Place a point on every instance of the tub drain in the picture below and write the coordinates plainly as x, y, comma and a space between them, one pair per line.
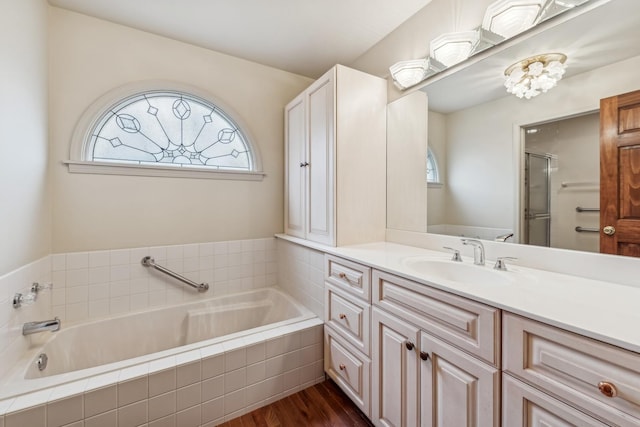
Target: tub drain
42, 361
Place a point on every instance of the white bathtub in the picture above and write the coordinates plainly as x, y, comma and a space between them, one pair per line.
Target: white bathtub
140, 344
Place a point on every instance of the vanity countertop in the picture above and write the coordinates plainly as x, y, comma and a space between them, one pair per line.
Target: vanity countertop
605, 311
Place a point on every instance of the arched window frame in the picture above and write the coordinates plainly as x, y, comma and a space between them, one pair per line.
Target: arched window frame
81, 159
432, 163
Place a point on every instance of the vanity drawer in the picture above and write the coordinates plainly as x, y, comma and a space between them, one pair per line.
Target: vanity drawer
348, 316
350, 276
348, 367
469, 325
575, 369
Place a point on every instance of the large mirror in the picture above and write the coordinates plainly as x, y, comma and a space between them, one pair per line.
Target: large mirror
504, 162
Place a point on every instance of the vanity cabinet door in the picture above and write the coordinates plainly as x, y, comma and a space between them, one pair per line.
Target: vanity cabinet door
395, 371
456, 389
295, 172
524, 406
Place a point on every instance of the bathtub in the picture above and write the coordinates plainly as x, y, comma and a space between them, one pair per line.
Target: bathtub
210, 360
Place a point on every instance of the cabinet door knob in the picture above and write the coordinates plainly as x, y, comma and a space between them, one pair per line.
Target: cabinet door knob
424, 355
409, 345
609, 230
342, 275
342, 316
342, 367
607, 389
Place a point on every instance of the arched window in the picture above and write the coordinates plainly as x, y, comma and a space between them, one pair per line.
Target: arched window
433, 176
164, 130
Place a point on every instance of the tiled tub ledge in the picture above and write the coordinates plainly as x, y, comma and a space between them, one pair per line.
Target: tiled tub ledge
202, 387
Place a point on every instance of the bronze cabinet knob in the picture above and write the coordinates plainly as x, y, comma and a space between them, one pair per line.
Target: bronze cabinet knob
409, 345
342, 367
424, 355
607, 389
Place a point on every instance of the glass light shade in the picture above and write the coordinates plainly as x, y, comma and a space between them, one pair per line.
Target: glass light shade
510, 17
408, 73
555, 7
451, 48
535, 75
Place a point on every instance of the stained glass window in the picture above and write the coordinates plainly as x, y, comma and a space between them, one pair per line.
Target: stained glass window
168, 128
432, 168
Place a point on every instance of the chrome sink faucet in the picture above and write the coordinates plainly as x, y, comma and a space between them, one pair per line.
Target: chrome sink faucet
41, 326
478, 250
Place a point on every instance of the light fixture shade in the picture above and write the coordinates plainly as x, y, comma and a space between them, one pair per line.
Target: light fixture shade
408, 73
535, 75
510, 17
555, 7
452, 48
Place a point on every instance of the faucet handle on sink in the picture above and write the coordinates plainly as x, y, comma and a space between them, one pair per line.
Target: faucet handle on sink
456, 254
501, 265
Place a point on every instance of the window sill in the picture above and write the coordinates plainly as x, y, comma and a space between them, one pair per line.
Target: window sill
106, 168
434, 184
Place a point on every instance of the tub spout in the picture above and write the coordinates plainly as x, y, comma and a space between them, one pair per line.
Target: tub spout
41, 326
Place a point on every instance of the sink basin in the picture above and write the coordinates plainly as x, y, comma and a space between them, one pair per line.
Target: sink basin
459, 272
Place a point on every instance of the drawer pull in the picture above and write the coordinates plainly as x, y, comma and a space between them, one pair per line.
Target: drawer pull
607, 389
342, 316
342, 367
342, 276
409, 345
424, 355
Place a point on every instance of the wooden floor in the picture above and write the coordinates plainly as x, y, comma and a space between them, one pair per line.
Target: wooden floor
323, 405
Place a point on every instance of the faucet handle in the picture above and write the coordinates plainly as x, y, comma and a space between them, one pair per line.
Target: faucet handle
501, 265
456, 254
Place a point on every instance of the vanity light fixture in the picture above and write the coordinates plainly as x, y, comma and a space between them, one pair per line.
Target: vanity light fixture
451, 48
554, 7
510, 17
535, 75
408, 73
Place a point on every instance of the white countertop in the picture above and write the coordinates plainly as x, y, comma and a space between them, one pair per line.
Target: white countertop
601, 310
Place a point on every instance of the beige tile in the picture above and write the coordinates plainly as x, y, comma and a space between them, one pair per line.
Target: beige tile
291, 380
256, 373
212, 388
64, 411
187, 397
2, 421
106, 419
291, 342
133, 415
188, 374
256, 353
133, 391
214, 423
235, 380
212, 366
256, 393
235, 359
189, 417
162, 382
234, 401
33, 417
162, 406
76, 424
274, 347
213, 410
169, 421
100, 400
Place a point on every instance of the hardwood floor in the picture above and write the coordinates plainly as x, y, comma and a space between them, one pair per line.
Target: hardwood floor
323, 405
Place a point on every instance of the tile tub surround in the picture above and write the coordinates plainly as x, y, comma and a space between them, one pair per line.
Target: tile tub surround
203, 387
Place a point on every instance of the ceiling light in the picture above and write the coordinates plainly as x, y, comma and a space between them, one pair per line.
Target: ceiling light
535, 75
451, 48
510, 17
408, 73
554, 7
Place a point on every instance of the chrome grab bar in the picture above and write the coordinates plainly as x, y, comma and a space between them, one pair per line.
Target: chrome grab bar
150, 262
581, 209
587, 230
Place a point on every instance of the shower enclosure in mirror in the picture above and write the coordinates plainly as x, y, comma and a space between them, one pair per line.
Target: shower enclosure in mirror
537, 199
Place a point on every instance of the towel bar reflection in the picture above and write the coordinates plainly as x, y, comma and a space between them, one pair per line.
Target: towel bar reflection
581, 209
587, 230
150, 262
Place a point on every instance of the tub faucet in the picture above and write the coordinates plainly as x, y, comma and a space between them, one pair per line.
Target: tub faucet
478, 250
41, 326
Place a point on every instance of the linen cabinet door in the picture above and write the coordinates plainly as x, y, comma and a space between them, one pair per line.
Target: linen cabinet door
295, 170
321, 160
456, 389
395, 374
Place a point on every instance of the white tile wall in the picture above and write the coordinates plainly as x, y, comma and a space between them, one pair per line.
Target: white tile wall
301, 274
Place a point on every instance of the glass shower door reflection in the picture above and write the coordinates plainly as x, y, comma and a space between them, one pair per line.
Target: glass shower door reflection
537, 199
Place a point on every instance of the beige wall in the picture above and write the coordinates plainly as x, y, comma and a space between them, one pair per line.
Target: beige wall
25, 212
89, 57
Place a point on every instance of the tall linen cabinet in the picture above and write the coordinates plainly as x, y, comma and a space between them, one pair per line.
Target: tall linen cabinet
335, 159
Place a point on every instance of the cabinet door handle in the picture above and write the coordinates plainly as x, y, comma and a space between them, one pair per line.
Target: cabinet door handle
342, 316
342, 367
342, 275
302, 165
409, 345
424, 355
607, 389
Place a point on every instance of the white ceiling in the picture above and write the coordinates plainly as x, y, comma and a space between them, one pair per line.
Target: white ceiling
306, 37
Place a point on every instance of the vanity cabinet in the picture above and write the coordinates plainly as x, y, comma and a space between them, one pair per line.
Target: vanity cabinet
418, 378
335, 159
596, 378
